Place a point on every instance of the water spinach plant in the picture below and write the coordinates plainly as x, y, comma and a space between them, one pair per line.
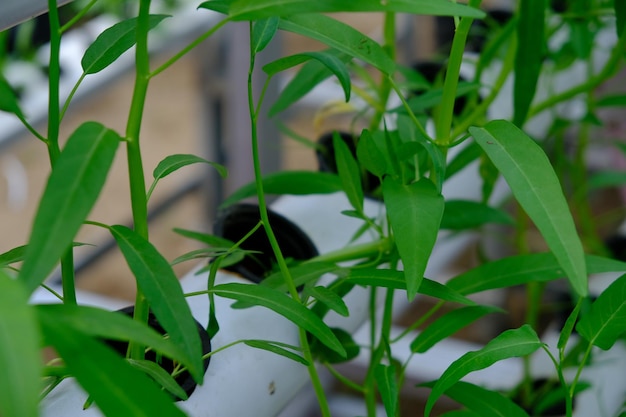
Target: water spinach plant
406, 151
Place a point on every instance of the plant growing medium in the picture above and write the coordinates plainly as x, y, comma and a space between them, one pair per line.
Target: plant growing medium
413, 145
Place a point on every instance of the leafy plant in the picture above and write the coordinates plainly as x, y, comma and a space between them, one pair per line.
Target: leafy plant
408, 149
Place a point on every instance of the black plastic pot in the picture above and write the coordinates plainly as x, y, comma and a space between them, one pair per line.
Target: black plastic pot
185, 380
234, 222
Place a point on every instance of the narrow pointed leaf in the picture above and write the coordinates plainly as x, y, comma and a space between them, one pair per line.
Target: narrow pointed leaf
20, 358
290, 182
415, 213
395, 279
509, 344
160, 286
310, 75
484, 402
175, 162
283, 305
8, 99
385, 376
528, 57
72, 189
116, 387
329, 60
330, 298
109, 325
263, 32
255, 9
464, 214
112, 43
160, 376
276, 348
301, 274
536, 187
340, 36
522, 269
220, 6
349, 173
12, 256
370, 156
449, 324
606, 322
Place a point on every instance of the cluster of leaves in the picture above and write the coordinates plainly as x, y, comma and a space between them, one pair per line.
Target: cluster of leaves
411, 165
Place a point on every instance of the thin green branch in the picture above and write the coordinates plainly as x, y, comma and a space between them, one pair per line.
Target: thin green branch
188, 48
78, 16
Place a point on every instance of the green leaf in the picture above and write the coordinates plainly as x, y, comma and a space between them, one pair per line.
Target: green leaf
160, 376
483, 402
72, 190
112, 43
395, 279
369, 154
340, 36
209, 239
449, 324
385, 376
117, 388
522, 269
277, 348
290, 182
301, 274
536, 187
283, 305
255, 9
263, 32
173, 163
8, 99
310, 75
220, 6
464, 214
328, 59
13, 255
460, 413
415, 213
159, 284
325, 355
20, 358
529, 56
349, 173
613, 100
509, 344
606, 321
108, 325
330, 299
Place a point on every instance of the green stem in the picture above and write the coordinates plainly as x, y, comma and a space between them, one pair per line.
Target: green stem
135, 165
54, 150
445, 111
282, 264
569, 394
345, 381
389, 29
482, 108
